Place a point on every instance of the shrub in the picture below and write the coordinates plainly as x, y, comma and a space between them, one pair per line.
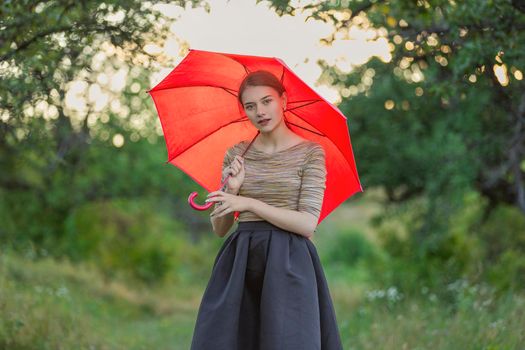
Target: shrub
124, 238
349, 247
503, 234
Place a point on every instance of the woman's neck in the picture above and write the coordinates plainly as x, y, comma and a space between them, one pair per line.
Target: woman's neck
280, 137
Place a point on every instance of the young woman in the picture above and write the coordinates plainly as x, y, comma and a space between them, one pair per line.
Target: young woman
267, 290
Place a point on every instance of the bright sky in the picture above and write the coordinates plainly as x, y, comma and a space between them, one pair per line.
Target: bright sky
235, 26
244, 27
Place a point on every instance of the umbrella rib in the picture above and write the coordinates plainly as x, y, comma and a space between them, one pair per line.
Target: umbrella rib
234, 121
299, 101
231, 91
352, 168
302, 127
233, 59
303, 105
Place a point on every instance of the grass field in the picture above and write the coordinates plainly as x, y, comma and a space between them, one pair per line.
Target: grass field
50, 304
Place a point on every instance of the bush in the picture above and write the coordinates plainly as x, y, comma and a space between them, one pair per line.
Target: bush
124, 238
503, 234
473, 249
350, 247
421, 258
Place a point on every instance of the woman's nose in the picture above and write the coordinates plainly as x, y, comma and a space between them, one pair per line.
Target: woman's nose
261, 110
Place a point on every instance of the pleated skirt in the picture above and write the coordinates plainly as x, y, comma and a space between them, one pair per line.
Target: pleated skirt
267, 291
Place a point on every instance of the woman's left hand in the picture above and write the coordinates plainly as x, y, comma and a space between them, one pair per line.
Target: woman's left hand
229, 203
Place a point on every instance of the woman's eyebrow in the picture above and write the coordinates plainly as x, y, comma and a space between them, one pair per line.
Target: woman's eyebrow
246, 103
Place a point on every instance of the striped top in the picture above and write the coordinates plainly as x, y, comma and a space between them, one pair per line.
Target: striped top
293, 178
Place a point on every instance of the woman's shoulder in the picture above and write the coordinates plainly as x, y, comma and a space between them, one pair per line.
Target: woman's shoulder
241, 146
237, 148
301, 141
313, 147
304, 148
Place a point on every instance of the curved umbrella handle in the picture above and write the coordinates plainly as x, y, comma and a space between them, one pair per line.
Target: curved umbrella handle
196, 206
191, 198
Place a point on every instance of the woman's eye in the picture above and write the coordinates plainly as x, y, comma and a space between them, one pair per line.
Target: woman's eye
267, 101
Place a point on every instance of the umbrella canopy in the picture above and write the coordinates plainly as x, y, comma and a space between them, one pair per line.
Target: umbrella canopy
201, 118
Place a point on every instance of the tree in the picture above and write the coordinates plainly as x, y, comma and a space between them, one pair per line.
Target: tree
455, 74
445, 115
54, 157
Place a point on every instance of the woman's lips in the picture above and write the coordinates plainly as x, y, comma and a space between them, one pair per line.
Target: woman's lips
263, 122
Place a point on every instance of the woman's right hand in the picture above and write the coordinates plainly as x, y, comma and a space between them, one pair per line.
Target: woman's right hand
236, 169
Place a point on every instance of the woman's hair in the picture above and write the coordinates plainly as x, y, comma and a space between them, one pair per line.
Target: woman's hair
260, 78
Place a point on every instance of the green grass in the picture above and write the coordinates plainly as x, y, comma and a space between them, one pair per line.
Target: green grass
49, 304
55, 305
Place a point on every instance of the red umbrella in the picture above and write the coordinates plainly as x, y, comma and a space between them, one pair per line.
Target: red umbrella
201, 118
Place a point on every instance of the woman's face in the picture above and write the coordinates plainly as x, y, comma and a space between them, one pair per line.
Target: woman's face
263, 103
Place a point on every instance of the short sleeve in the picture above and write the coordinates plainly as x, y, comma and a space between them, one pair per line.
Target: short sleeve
313, 182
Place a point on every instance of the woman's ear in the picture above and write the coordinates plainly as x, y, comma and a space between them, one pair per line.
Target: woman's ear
284, 97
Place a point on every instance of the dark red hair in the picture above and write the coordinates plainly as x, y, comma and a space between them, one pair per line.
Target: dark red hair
260, 78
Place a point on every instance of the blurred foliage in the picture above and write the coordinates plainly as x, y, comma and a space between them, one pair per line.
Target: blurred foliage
442, 117
123, 236
48, 304
440, 127
349, 247
135, 240
505, 255
434, 262
57, 156
471, 252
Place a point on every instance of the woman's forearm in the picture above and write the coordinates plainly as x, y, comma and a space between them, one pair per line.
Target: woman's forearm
222, 224
287, 219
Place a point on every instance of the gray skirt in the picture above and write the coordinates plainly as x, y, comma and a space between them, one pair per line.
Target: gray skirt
267, 291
